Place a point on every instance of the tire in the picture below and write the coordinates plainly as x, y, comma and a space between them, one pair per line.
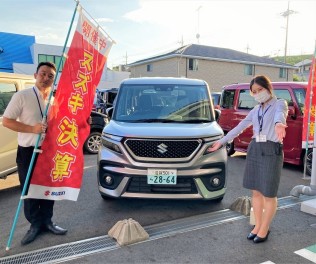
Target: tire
230, 148
93, 142
309, 160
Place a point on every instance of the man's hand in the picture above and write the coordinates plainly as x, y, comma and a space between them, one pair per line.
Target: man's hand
39, 128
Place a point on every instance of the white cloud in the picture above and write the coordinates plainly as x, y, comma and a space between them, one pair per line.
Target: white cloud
104, 19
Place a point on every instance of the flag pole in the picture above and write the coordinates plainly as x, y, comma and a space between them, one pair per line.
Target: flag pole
40, 136
311, 94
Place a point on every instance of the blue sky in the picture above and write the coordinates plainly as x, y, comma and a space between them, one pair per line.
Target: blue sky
143, 28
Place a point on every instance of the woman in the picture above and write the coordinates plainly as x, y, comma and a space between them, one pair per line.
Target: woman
264, 154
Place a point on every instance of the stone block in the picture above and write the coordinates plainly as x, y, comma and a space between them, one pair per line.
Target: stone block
242, 205
128, 231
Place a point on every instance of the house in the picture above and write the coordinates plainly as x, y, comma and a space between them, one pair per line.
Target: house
303, 69
21, 54
217, 66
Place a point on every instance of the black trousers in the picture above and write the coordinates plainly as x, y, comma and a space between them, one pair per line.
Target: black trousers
37, 211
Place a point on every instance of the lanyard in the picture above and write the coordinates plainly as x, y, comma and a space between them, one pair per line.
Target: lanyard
39, 105
260, 118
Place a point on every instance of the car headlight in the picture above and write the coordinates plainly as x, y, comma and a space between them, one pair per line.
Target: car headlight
211, 141
108, 141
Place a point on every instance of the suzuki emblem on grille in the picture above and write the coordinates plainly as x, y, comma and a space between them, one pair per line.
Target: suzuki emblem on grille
162, 148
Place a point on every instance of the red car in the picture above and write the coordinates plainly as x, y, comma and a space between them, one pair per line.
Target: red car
237, 102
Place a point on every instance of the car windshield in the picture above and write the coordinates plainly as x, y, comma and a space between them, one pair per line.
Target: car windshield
163, 103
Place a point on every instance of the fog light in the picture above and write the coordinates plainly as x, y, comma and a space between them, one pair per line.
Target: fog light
215, 182
108, 180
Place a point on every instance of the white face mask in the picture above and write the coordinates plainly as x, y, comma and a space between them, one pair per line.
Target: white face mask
263, 96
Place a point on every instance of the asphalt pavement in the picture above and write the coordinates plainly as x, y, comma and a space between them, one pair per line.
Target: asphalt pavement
214, 234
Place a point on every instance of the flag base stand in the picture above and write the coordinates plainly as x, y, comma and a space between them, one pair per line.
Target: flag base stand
309, 207
128, 232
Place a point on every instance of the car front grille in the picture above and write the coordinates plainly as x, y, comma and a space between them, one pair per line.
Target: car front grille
154, 149
185, 185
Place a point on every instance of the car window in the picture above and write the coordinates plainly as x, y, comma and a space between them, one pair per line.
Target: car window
216, 98
245, 100
6, 92
284, 94
300, 98
228, 99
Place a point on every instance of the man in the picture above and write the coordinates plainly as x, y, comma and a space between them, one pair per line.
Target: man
24, 115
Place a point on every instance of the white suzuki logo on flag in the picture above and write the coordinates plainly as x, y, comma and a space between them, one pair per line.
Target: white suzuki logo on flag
162, 148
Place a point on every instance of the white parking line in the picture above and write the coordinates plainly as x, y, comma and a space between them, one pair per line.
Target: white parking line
305, 253
88, 167
267, 262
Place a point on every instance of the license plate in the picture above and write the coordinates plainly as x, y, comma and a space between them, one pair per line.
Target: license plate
155, 176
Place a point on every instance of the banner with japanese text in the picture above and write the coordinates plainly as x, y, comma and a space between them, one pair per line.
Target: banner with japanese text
310, 108
59, 168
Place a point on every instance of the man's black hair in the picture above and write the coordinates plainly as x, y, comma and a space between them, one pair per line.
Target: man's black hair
46, 63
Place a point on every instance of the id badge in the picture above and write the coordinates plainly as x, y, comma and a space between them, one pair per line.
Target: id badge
261, 138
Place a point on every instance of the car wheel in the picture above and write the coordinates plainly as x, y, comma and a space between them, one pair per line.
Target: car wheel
93, 143
309, 160
230, 148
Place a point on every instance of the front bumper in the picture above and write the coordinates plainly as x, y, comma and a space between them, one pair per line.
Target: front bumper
191, 184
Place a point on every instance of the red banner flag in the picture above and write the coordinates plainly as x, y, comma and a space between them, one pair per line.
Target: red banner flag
310, 108
59, 168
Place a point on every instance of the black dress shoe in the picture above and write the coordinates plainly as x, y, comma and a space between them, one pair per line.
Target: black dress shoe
258, 239
251, 236
55, 229
30, 235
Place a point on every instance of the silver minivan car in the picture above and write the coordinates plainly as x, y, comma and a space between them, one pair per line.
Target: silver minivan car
156, 144
10, 83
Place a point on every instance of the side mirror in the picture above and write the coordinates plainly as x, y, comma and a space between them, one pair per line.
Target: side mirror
291, 112
109, 112
217, 114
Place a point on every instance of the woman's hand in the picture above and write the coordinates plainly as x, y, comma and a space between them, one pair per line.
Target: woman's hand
280, 131
215, 146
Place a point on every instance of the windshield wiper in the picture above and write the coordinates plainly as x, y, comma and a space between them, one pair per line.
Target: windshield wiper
157, 120
153, 120
195, 121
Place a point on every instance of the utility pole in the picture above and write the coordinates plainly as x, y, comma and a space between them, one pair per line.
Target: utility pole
181, 42
198, 25
126, 59
247, 48
287, 14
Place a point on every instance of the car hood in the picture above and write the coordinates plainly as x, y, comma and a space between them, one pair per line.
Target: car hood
166, 130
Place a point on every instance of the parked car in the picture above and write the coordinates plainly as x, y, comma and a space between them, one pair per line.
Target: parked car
216, 97
156, 144
236, 104
104, 96
10, 83
103, 100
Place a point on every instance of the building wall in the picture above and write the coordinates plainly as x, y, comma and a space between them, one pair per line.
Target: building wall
215, 73
109, 79
162, 68
15, 48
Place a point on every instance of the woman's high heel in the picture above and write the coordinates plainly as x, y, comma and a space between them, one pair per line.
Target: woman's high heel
251, 235
258, 239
